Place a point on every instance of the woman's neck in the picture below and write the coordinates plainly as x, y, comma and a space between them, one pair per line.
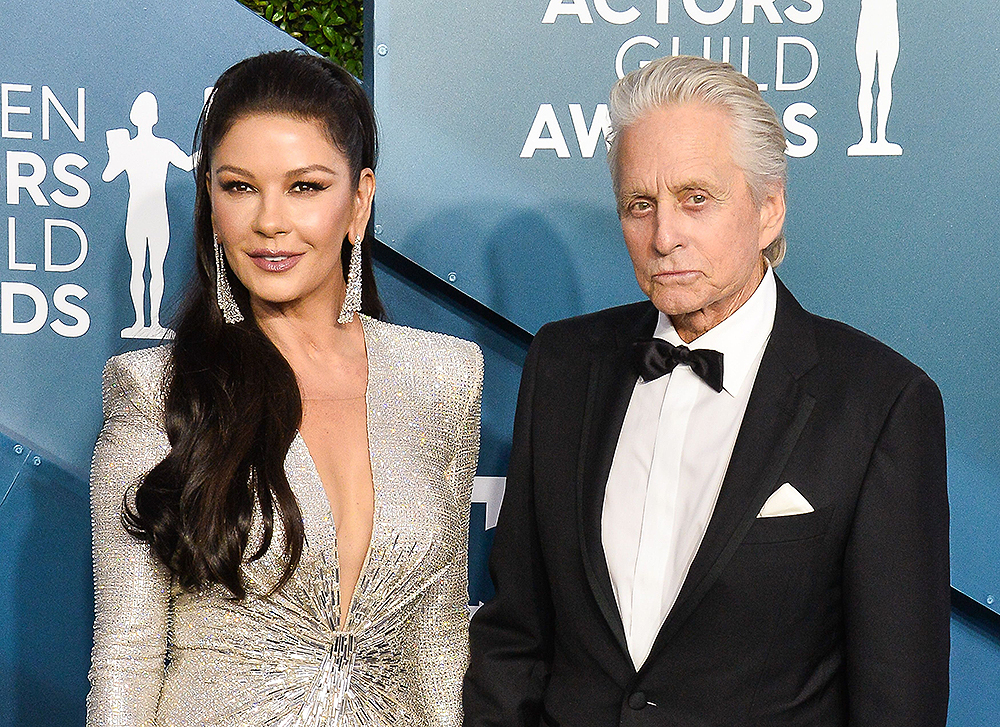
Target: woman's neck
329, 359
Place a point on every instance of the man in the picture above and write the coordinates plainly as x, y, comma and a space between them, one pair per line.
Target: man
742, 521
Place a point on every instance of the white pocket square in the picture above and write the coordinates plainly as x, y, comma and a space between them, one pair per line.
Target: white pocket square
786, 500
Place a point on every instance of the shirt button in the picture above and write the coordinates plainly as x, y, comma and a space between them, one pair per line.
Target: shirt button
637, 700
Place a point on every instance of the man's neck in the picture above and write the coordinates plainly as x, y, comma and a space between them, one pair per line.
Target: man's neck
690, 326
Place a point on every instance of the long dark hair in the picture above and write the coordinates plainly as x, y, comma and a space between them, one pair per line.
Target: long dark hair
232, 401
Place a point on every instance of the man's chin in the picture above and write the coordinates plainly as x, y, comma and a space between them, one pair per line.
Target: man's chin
672, 304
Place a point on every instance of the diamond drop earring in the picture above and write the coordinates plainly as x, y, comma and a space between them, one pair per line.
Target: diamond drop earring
352, 297
223, 293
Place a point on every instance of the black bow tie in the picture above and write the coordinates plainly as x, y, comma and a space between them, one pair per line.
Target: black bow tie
656, 357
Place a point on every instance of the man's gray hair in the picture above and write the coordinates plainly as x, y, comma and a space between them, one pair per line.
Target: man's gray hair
758, 137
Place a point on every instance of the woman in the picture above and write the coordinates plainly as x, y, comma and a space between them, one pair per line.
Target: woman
281, 497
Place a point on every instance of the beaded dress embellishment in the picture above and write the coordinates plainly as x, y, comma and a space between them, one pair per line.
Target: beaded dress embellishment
281, 659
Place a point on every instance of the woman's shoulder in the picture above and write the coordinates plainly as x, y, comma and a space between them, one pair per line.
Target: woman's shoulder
428, 349
136, 380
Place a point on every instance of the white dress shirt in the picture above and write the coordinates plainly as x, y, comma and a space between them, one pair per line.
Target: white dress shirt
669, 463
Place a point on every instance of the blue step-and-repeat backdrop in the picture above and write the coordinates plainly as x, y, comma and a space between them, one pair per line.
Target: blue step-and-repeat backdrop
494, 202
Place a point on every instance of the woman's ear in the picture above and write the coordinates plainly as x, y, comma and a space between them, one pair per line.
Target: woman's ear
363, 203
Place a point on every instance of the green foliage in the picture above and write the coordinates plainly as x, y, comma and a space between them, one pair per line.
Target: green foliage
330, 27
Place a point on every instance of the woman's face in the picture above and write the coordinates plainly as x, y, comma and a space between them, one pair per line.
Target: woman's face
282, 203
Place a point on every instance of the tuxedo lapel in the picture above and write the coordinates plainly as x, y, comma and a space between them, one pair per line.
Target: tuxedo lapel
609, 390
776, 414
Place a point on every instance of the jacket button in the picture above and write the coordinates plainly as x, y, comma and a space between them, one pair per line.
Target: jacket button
637, 700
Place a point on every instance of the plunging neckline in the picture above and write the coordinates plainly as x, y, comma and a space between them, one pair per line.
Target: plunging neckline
343, 618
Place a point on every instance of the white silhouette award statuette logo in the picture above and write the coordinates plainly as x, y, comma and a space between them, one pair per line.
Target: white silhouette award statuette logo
145, 159
877, 44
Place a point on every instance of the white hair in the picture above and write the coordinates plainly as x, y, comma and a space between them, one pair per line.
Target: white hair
758, 137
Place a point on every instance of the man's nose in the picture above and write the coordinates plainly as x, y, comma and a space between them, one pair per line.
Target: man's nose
668, 234
272, 217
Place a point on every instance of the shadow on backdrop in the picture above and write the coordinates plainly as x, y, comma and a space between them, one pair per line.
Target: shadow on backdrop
545, 288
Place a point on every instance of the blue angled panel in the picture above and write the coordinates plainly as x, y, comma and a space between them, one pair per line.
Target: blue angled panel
46, 598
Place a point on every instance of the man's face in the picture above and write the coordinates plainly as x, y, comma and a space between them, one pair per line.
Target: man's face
692, 230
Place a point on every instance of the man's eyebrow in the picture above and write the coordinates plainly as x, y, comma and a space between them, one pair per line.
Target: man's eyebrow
631, 195
640, 190
695, 183
713, 189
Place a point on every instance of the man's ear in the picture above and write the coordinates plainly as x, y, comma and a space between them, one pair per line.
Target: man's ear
772, 216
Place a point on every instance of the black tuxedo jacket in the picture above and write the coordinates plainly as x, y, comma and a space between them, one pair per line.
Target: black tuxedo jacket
835, 617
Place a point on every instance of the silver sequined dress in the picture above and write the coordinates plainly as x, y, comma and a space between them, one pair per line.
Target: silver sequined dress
171, 658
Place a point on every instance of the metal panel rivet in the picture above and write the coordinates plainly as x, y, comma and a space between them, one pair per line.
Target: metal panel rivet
452, 277
382, 49
378, 229
18, 449
989, 600
37, 461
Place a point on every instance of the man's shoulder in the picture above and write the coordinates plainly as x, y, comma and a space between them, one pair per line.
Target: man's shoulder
600, 329
860, 361
843, 344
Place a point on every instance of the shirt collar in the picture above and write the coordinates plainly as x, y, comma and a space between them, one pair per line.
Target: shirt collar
740, 338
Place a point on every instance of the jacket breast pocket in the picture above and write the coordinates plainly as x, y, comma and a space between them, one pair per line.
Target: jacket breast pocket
790, 528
